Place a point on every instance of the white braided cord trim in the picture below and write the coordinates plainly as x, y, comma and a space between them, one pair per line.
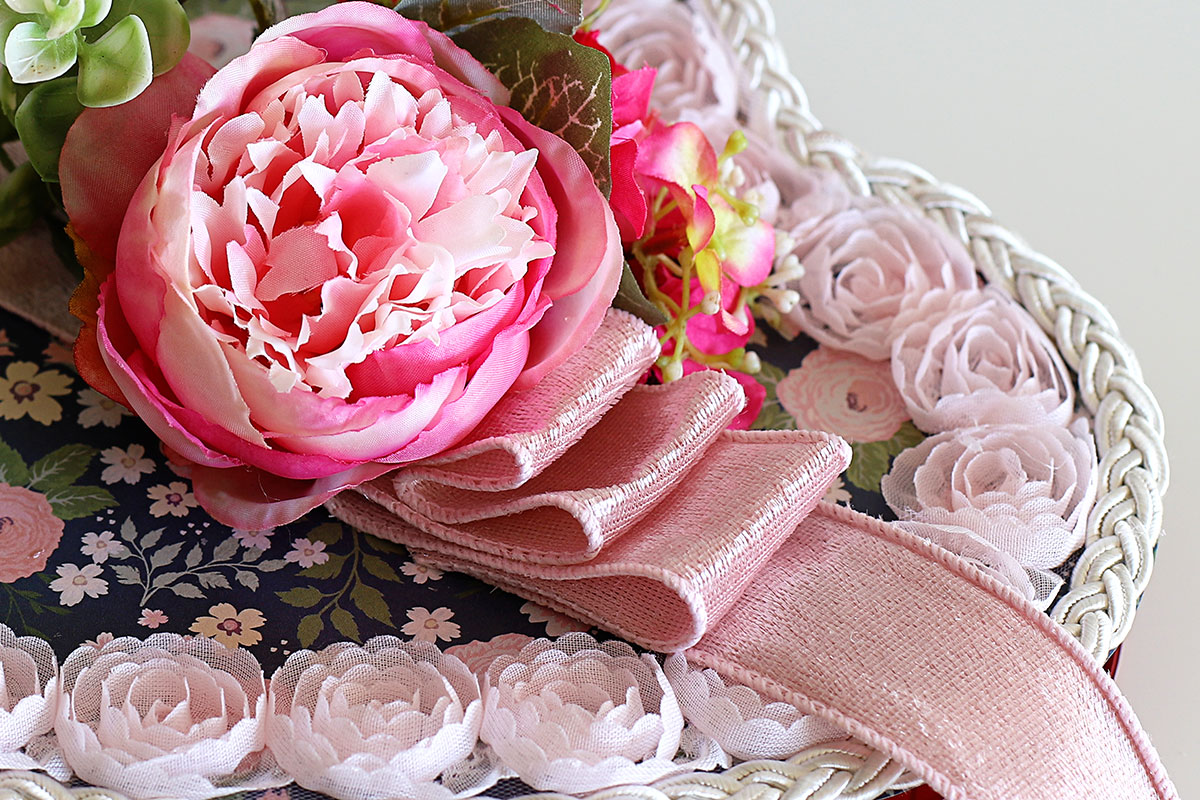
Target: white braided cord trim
1115, 567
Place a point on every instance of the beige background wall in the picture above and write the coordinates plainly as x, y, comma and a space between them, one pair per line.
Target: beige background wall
1079, 124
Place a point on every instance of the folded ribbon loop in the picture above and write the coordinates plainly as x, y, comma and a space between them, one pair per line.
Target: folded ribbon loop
631, 507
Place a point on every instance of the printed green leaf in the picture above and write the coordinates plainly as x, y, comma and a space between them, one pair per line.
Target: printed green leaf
908, 436
247, 579
32, 55
151, 538
12, 467
164, 579
556, 83
194, 556
869, 464
329, 533
213, 580
301, 596
630, 298
451, 16
60, 468
118, 67
251, 554
383, 545
330, 569
73, 502
128, 531
225, 550
309, 629
370, 601
773, 417
344, 622
164, 556
188, 590
273, 564
380, 568
126, 574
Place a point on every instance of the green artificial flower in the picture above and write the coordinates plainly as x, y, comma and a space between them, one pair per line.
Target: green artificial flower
118, 48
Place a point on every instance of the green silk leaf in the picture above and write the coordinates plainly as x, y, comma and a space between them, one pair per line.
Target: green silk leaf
95, 12
42, 121
64, 19
556, 83
454, 16
630, 298
32, 55
118, 67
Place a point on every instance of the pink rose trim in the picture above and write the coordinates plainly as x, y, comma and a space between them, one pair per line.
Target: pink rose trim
983, 360
870, 271
843, 393
29, 532
1025, 489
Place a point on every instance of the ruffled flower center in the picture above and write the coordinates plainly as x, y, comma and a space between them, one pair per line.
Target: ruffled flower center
347, 212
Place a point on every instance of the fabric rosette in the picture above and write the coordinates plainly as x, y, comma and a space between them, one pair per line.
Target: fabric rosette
576, 715
1025, 489
983, 360
382, 720
347, 254
168, 717
870, 271
29, 695
739, 720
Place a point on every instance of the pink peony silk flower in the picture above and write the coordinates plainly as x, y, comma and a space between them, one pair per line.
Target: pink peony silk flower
29, 532
843, 393
341, 261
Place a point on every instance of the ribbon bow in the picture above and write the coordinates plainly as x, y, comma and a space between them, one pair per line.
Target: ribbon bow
633, 508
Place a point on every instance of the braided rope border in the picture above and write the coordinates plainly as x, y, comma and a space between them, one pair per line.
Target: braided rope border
1118, 556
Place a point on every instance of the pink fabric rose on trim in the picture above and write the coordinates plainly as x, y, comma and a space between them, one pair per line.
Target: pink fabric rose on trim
843, 393
29, 532
343, 259
983, 360
870, 271
1025, 489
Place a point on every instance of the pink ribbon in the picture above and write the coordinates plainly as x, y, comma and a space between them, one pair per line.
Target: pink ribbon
631, 507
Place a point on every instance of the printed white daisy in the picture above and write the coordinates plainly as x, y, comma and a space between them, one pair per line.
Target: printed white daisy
426, 626
74, 582
99, 410
420, 573
556, 624
100, 546
259, 540
173, 499
838, 493
128, 464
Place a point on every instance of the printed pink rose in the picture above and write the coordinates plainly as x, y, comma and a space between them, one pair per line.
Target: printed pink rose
1025, 489
844, 394
983, 360
870, 271
340, 262
29, 532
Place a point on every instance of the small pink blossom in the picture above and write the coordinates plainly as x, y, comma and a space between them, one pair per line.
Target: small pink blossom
152, 618
128, 464
306, 553
101, 546
259, 540
843, 393
427, 626
174, 499
74, 582
420, 573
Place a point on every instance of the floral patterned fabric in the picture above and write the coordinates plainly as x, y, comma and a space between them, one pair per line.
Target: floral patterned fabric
100, 539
